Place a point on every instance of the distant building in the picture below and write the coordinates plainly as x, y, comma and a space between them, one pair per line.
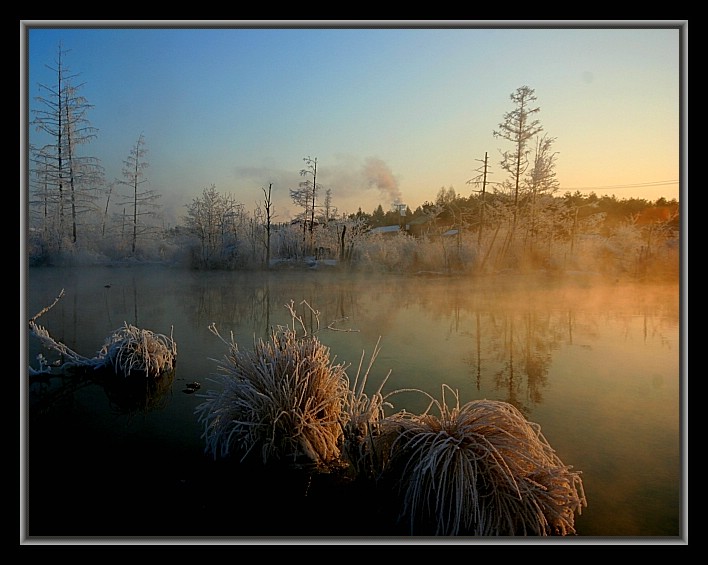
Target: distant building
419, 226
386, 229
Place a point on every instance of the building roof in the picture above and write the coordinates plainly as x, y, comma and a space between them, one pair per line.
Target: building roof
386, 229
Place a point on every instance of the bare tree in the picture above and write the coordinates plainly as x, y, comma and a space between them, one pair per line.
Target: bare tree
109, 193
268, 206
542, 177
141, 201
65, 180
215, 220
42, 197
348, 240
541, 180
305, 196
301, 197
310, 185
518, 128
329, 211
481, 180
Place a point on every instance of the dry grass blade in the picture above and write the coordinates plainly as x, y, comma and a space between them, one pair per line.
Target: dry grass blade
364, 444
363, 414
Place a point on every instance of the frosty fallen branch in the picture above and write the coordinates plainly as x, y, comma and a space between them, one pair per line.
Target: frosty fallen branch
127, 350
50, 343
46, 309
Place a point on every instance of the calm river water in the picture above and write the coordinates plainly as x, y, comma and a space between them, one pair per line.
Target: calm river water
595, 364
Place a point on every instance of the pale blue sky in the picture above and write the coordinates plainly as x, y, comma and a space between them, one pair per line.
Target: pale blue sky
240, 108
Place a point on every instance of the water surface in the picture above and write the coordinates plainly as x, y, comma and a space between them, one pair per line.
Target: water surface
594, 363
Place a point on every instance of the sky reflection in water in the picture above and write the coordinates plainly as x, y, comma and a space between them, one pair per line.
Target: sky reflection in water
596, 365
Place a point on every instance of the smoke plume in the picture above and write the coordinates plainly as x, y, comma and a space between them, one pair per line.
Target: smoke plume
377, 174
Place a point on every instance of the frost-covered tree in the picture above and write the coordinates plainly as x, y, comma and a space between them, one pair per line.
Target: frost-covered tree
301, 197
140, 203
310, 184
445, 196
215, 220
65, 181
541, 182
328, 211
305, 196
542, 176
519, 128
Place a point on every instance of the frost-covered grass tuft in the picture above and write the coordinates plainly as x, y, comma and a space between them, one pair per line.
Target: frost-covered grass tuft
130, 349
283, 398
481, 469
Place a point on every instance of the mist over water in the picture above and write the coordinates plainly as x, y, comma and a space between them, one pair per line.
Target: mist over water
594, 363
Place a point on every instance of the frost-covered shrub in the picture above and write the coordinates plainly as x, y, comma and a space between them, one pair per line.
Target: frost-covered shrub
387, 252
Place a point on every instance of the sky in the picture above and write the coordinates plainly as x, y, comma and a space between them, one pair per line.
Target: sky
392, 111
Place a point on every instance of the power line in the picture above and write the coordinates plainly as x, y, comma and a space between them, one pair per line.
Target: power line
636, 185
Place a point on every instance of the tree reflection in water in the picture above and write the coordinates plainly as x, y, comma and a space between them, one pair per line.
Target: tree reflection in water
594, 362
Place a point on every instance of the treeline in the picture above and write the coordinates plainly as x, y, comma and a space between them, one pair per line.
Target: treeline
614, 211
628, 237
78, 216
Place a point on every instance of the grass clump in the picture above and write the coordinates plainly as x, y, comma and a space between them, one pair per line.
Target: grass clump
284, 399
479, 469
130, 349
